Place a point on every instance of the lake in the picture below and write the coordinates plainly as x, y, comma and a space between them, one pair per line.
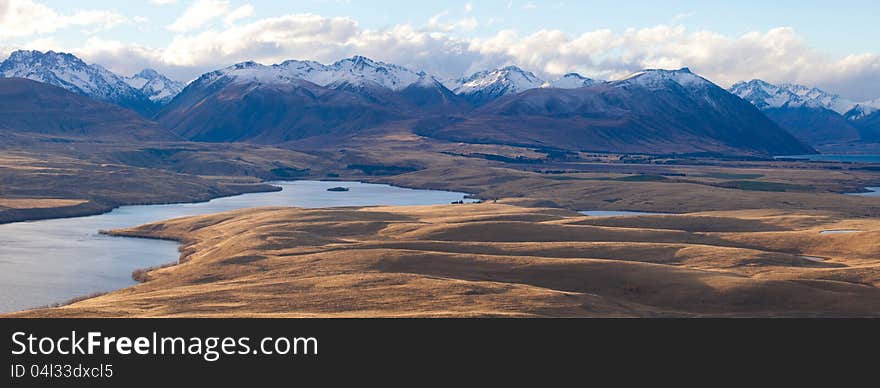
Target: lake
834, 158
872, 192
616, 213
52, 261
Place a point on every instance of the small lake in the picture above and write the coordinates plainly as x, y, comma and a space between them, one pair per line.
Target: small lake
615, 213
840, 231
872, 192
52, 261
834, 158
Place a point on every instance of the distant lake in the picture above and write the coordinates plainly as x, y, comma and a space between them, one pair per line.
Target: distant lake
872, 192
619, 213
834, 158
51, 261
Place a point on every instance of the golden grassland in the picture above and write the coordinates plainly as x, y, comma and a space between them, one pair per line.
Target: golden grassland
502, 260
748, 245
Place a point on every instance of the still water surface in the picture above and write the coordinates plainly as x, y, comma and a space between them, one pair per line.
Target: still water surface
835, 158
51, 261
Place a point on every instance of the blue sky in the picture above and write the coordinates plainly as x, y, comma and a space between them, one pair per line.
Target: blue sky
820, 43
837, 27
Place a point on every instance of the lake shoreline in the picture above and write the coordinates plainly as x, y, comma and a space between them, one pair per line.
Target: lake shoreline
79, 239
104, 209
99, 208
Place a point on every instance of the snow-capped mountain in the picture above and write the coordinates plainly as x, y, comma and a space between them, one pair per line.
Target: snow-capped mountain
362, 71
765, 95
354, 72
861, 111
654, 111
813, 115
657, 79
572, 81
820, 97
157, 87
485, 86
71, 73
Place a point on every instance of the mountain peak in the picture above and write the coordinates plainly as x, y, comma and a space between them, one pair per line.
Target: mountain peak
148, 73
571, 81
860, 111
157, 87
488, 85
32, 57
70, 72
355, 72
426, 81
657, 79
361, 61
362, 71
765, 95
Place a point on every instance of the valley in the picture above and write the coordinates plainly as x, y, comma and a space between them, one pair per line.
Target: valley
657, 194
739, 241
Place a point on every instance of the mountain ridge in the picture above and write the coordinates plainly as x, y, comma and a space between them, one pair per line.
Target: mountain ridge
813, 115
73, 74
653, 111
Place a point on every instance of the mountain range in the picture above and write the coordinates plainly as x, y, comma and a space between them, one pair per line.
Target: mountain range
653, 111
813, 115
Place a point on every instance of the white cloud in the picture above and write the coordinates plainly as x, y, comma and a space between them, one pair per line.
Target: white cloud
776, 55
203, 12
199, 14
435, 23
682, 16
242, 12
23, 18
163, 2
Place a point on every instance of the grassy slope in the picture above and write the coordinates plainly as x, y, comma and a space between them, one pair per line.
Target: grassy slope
501, 260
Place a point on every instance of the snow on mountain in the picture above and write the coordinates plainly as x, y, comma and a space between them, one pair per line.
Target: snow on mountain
488, 85
71, 73
572, 81
657, 79
355, 71
765, 95
861, 111
155, 86
821, 97
362, 71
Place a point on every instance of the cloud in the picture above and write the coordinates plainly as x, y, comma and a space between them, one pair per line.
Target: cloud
435, 23
775, 55
199, 14
24, 18
682, 16
242, 12
163, 2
